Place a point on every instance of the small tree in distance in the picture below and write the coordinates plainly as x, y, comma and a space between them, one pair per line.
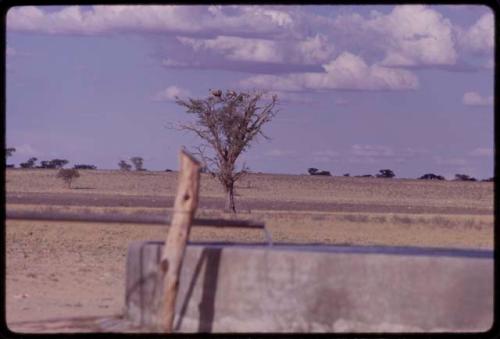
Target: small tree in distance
124, 166
386, 173
84, 167
68, 175
227, 122
29, 164
431, 176
138, 162
464, 177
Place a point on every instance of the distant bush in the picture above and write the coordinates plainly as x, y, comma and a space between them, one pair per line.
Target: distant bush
464, 177
386, 173
347, 175
364, 176
84, 167
28, 164
68, 175
168, 170
124, 166
138, 163
53, 164
489, 180
312, 170
10, 166
431, 176
315, 171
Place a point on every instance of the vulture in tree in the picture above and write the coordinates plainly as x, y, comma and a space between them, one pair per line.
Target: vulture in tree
217, 93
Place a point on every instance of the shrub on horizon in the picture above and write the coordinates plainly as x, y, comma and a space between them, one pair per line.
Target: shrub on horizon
431, 176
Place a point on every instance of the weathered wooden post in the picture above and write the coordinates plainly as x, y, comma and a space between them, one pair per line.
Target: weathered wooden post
185, 205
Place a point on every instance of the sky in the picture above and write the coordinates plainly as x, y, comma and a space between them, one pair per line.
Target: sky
360, 87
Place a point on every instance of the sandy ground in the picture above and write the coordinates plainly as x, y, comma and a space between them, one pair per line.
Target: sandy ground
75, 269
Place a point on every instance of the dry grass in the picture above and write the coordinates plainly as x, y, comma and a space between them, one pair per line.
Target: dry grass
267, 187
61, 269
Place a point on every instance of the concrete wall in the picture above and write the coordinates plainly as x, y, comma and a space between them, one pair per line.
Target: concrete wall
278, 289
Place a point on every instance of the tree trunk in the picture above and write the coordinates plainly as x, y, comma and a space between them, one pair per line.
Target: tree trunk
230, 207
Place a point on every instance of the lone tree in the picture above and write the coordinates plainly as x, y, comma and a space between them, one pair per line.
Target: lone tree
386, 173
124, 166
315, 171
227, 122
137, 161
68, 175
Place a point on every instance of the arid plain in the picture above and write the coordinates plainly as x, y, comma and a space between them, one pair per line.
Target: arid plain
76, 269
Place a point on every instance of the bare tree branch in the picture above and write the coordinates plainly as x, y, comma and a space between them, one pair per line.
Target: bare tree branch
227, 122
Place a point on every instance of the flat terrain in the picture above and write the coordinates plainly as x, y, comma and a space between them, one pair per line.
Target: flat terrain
74, 269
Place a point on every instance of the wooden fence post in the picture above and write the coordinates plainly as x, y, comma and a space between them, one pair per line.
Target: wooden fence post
185, 205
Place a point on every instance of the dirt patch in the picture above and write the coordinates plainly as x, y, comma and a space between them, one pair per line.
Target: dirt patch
74, 269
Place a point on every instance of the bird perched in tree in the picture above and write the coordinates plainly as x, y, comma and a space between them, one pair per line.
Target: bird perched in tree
217, 93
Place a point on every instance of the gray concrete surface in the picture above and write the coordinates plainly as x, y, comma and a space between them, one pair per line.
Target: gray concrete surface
279, 289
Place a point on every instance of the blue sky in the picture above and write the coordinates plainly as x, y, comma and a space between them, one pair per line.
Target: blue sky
362, 88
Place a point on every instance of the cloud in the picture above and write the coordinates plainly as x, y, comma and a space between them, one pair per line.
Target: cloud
170, 93
479, 38
235, 48
272, 39
409, 36
482, 152
347, 71
311, 50
415, 35
170, 19
475, 99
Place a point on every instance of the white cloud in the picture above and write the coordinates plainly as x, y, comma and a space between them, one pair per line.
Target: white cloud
347, 71
415, 35
170, 93
480, 36
148, 18
311, 50
235, 48
408, 35
475, 99
482, 152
